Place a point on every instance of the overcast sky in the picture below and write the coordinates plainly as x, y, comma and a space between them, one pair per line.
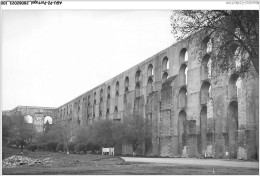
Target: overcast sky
52, 56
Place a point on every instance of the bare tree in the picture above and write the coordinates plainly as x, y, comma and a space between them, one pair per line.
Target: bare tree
237, 31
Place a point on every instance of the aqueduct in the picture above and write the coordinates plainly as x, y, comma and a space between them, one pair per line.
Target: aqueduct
194, 110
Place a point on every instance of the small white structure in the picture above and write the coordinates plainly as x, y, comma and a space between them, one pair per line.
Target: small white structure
109, 151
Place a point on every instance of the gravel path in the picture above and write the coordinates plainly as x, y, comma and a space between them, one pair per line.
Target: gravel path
194, 161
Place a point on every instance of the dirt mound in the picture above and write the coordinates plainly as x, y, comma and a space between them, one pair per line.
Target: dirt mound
21, 161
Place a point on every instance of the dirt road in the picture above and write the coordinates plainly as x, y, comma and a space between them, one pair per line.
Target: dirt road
194, 161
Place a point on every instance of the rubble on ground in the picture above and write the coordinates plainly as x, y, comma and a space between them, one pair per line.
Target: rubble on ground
21, 161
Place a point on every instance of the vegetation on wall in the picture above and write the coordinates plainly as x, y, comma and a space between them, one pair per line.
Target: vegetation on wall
237, 32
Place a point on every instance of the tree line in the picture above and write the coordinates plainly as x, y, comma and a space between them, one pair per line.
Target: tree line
62, 137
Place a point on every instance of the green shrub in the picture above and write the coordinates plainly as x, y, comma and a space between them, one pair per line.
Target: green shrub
32, 147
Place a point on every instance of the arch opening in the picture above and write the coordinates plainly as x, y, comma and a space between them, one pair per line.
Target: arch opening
183, 56
150, 70
117, 86
127, 81
138, 76
206, 67
48, 119
108, 90
234, 86
28, 119
137, 90
101, 93
164, 77
107, 114
116, 113
108, 100
233, 129
165, 64
183, 97
183, 78
117, 89
150, 85
182, 131
205, 92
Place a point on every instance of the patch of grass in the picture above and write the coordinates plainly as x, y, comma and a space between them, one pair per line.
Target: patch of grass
111, 165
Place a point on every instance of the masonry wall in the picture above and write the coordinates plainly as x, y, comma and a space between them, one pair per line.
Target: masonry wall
184, 123
38, 115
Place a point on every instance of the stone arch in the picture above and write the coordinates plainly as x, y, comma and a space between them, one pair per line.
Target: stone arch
207, 44
117, 85
165, 63
182, 133
150, 70
137, 90
101, 93
182, 98
28, 119
126, 90
205, 92
107, 114
125, 94
150, 85
127, 81
47, 118
206, 67
233, 129
234, 84
138, 76
164, 77
79, 104
117, 89
183, 75
137, 86
183, 56
108, 89
101, 103
88, 100
116, 113
100, 114
108, 101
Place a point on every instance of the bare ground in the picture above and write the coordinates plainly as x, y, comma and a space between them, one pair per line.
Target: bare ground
89, 164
